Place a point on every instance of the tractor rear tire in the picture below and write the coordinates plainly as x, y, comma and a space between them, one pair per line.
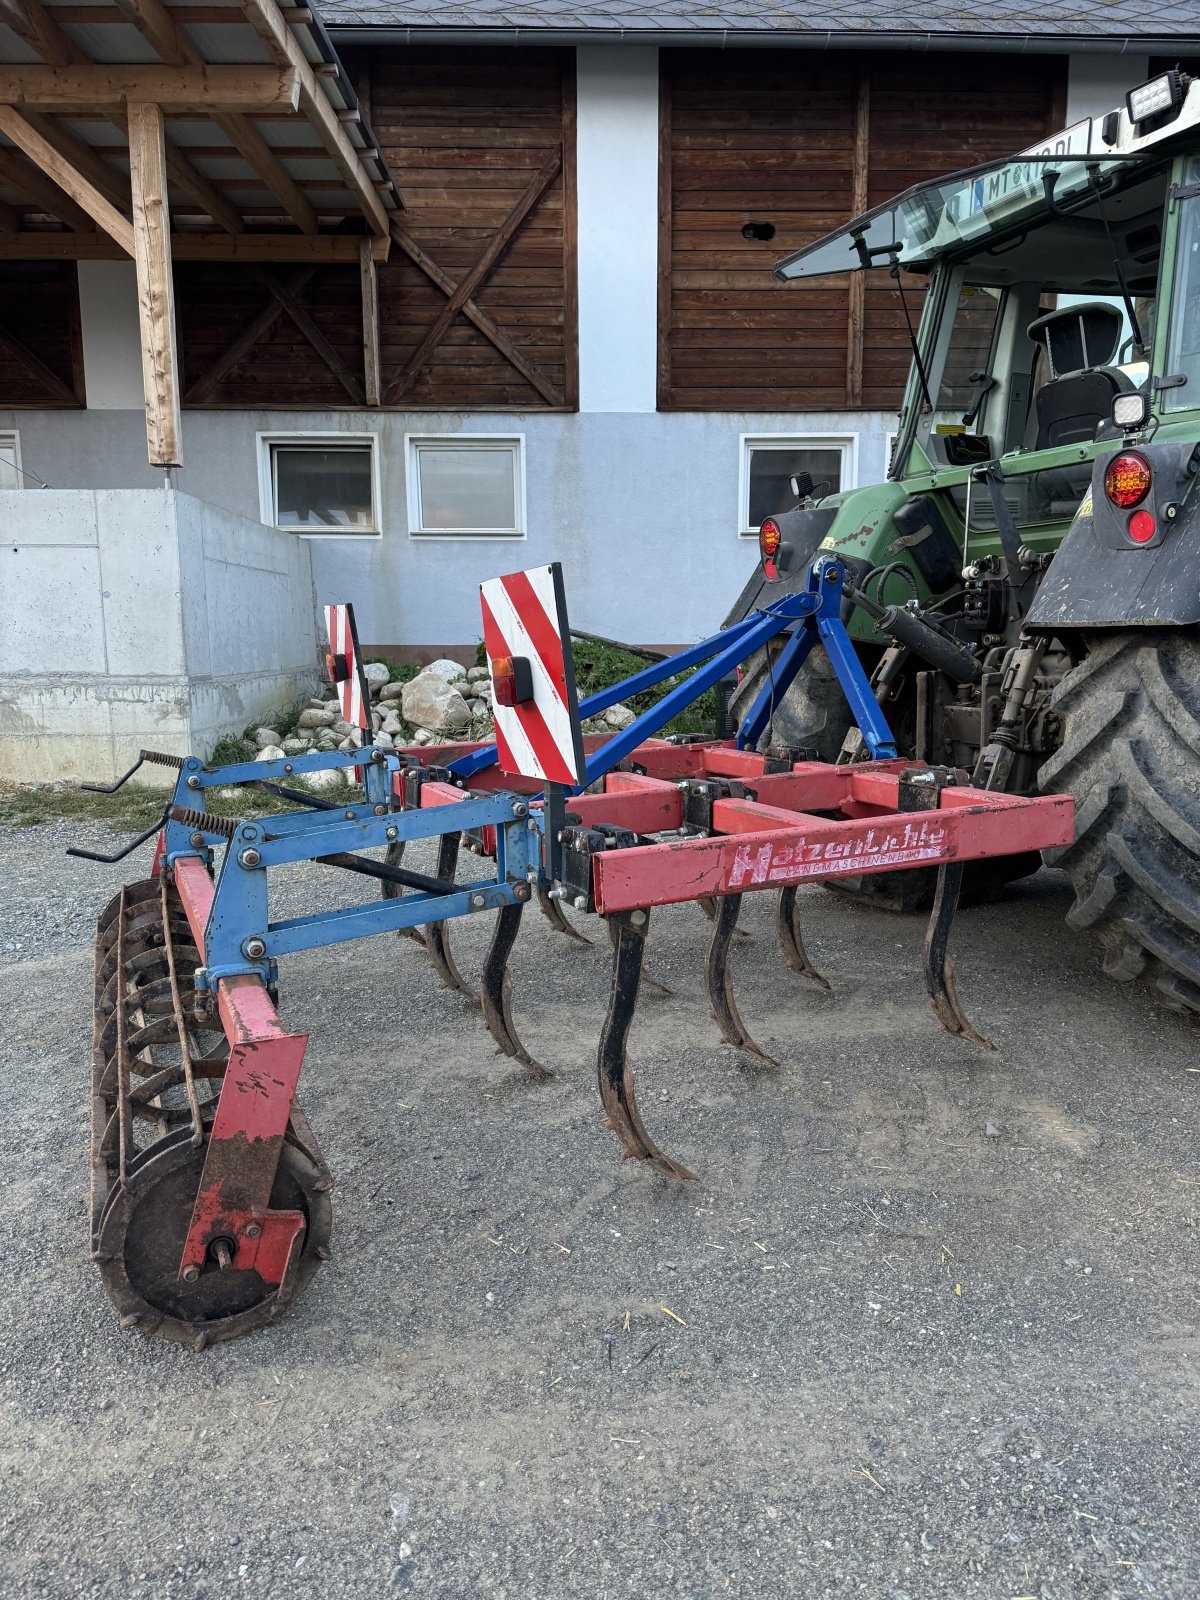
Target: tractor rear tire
1130, 757
812, 715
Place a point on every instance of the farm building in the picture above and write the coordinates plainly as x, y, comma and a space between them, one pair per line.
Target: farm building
385, 301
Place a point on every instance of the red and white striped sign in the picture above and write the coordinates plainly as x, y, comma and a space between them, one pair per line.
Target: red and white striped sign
525, 614
352, 690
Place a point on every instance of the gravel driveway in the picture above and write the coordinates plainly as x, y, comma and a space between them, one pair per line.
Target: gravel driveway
925, 1327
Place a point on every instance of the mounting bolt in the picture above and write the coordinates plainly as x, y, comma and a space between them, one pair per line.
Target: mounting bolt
478, 901
349, 816
637, 918
391, 833
254, 949
196, 840
380, 811
1171, 512
190, 1274
520, 809
288, 767
557, 893
249, 858
580, 902
193, 782
522, 891
252, 1230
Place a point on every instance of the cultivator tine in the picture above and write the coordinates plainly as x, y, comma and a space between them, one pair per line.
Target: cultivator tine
710, 905
628, 933
495, 990
939, 965
557, 917
720, 990
647, 982
437, 940
787, 924
392, 891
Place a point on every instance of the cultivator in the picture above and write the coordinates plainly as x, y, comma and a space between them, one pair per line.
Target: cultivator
210, 1198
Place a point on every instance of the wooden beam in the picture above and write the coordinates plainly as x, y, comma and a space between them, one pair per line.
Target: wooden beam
86, 158
856, 287
255, 150
48, 197
313, 334
265, 17
482, 321
469, 282
44, 245
369, 281
36, 367
68, 178
111, 87
33, 24
247, 339
156, 24
206, 194
156, 296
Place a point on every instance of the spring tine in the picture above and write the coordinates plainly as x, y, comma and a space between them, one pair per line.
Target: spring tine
557, 917
495, 991
647, 982
392, 891
939, 966
710, 905
787, 924
616, 1075
437, 939
720, 990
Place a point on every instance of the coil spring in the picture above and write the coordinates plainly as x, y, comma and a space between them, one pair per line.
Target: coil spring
159, 758
203, 821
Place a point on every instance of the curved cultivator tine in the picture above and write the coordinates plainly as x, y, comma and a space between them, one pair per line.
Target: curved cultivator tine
720, 990
392, 891
710, 904
495, 990
437, 939
939, 966
651, 985
557, 917
616, 1075
787, 923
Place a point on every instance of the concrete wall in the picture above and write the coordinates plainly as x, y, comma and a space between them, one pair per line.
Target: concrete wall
101, 655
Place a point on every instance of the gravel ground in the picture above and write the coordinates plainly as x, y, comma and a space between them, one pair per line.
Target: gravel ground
876, 1350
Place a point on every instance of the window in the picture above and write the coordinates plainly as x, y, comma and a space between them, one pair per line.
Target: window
315, 485
466, 486
1183, 341
771, 461
10, 461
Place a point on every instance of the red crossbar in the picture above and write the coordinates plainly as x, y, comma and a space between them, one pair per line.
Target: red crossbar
233, 1201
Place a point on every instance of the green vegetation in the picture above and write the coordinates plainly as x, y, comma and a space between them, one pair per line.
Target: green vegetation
134, 807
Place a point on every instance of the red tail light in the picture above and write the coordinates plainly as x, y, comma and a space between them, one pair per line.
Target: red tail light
1127, 480
512, 679
337, 668
1141, 526
770, 537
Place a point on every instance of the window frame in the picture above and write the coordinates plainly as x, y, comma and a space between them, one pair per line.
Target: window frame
15, 435
266, 445
847, 443
413, 443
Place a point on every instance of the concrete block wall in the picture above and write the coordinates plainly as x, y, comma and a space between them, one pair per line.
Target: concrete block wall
142, 618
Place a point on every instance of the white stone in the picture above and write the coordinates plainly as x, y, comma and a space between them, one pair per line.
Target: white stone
430, 702
335, 706
392, 723
391, 691
384, 741
376, 672
315, 719
618, 716
423, 736
448, 671
271, 752
477, 708
344, 729
329, 778
265, 736
478, 675
316, 705
295, 747
348, 744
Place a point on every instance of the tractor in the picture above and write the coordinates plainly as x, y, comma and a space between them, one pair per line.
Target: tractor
1024, 588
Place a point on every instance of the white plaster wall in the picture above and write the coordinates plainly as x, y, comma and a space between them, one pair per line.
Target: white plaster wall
617, 167
112, 341
1096, 84
102, 655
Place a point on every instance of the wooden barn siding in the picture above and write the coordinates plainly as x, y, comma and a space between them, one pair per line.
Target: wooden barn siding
802, 142
41, 354
464, 131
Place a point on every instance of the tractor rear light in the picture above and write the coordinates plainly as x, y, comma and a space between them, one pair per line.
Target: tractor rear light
1160, 98
512, 680
337, 668
1141, 526
770, 538
1127, 479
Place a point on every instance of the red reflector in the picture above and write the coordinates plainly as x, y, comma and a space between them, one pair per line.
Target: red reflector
337, 668
1141, 527
512, 680
1127, 480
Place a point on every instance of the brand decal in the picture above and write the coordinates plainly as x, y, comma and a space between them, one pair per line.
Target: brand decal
772, 862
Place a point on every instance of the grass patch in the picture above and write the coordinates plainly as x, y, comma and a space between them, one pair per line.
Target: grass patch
600, 666
134, 807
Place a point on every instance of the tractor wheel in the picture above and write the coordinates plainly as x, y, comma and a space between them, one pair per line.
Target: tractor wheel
813, 714
1130, 757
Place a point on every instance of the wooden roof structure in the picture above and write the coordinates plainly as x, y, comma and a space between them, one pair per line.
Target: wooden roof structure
227, 131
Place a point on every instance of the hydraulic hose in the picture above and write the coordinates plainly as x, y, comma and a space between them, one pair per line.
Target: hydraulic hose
933, 645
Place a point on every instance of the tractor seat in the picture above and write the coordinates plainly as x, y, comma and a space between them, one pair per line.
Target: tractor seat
1079, 344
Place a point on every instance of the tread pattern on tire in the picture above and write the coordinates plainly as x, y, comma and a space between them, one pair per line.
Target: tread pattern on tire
812, 713
1130, 756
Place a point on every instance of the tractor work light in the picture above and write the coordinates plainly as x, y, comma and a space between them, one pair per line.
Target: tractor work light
770, 537
1141, 526
512, 679
1127, 480
1160, 98
1131, 411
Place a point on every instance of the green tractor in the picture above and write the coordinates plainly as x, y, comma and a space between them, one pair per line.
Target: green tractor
1024, 589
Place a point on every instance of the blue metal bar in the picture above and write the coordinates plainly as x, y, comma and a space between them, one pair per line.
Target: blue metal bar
856, 686
467, 766
291, 766
777, 683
